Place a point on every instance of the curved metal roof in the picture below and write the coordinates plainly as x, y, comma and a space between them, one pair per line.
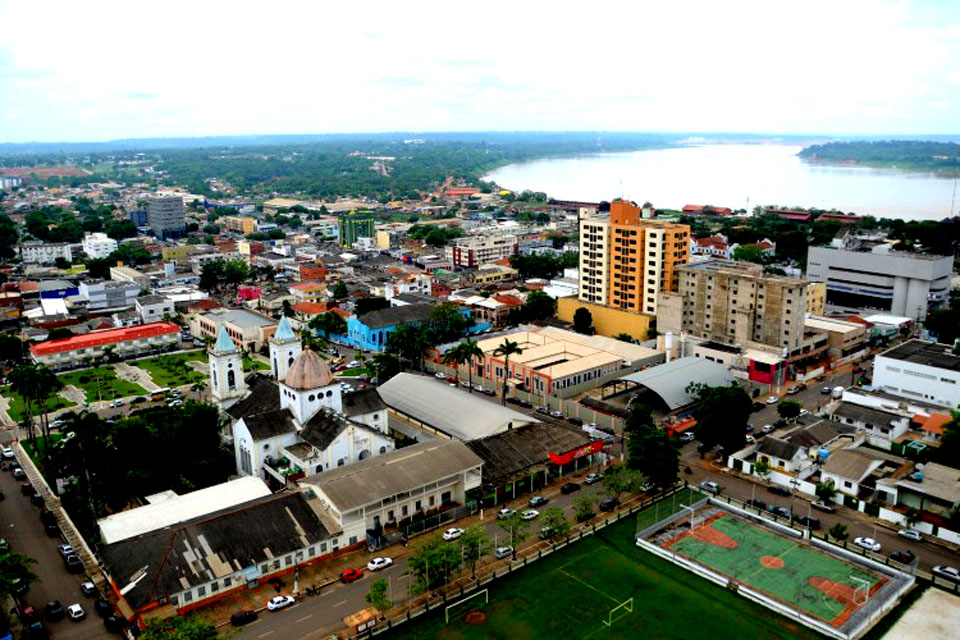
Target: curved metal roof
670, 380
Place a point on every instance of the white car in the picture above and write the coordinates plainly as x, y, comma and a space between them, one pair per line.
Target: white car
867, 543
529, 514
503, 552
505, 513
710, 485
376, 564
767, 428
592, 478
279, 602
687, 436
947, 573
116, 403
556, 414
751, 440
440, 375
7, 453
353, 364
910, 534
772, 400
76, 612
452, 534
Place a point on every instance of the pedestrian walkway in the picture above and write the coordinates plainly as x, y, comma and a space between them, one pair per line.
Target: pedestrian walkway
136, 375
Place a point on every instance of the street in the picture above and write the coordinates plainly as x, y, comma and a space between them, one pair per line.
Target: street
20, 525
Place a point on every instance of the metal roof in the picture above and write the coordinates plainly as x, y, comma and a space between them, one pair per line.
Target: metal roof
454, 412
386, 475
670, 380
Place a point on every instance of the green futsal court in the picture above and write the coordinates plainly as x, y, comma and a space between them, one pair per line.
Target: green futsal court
790, 570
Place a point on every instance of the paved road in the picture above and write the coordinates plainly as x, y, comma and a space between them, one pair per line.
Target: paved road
310, 617
20, 524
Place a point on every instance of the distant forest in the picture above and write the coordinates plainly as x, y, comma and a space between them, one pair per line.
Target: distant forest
323, 166
901, 154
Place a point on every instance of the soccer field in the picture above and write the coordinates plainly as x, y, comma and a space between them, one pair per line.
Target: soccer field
570, 593
795, 573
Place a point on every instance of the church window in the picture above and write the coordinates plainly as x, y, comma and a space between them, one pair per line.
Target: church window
329, 393
231, 379
312, 397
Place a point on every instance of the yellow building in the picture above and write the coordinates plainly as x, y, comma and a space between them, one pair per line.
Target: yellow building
243, 224
816, 298
383, 239
608, 321
181, 252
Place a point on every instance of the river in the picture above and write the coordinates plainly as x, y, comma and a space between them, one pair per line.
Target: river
739, 176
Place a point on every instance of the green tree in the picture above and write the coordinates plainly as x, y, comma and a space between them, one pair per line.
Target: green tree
749, 253
120, 229
385, 366
761, 467
287, 309
15, 574
130, 253
539, 306
721, 414
825, 491
516, 528
365, 305
839, 532
583, 507
433, 563
329, 323
410, 342
623, 337
506, 349
58, 333
948, 453
178, 628
554, 525
11, 349
583, 321
473, 546
447, 323
912, 516
340, 290
61, 263
378, 596
789, 409
650, 450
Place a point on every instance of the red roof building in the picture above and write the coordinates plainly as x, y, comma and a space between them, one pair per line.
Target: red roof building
840, 217
129, 341
793, 214
706, 210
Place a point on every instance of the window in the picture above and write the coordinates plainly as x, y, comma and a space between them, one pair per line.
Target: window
187, 596
227, 582
353, 539
214, 587
175, 601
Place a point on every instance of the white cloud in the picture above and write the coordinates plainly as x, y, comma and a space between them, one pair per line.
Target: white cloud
106, 69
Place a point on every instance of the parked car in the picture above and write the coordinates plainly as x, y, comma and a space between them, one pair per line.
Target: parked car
767, 428
89, 589
947, 573
608, 504
751, 440
350, 575
65, 550
910, 534
529, 514
489, 392
73, 563
76, 612
826, 507
777, 490
503, 552
570, 487
772, 400
505, 513
48, 517
687, 436
575, 421
825, 391
36, 498
543, 410
138, 400
52, 530
279, 602
867, 543
756, 503
18, 474
115, 624
116, 403
793, 391
513, 400
781, 512
556, 414
811, 522
54, 610
376, 564
102, 607
903, 557
7, 453
452, 533
592, 478
440, 375
241, 618
710, 485
538, 501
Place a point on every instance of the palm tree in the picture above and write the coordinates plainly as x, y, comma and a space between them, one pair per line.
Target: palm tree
199, 387
471, 351
23, 382
384, 363
506, 349
456, 357
410, 342
46, 384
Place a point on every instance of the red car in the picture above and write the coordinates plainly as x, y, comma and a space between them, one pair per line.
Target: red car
351, 575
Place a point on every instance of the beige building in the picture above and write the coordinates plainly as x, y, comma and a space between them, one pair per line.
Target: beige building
736, 303
248, 330
845, 338
816, 298
476, 250
121, 273
594, 259
243, 224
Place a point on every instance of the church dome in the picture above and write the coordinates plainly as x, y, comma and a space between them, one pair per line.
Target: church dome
308, 371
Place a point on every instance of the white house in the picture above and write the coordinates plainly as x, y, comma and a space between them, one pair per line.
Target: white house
882, 428
782, 455
45, 252
154, 308
848, 469
98, 245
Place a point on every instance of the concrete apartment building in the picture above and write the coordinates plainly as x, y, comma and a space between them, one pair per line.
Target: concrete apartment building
45, 252
98, 245
242, 224
862, 275
735, 303
920, 370
165, 216
628, 258
110, 294
248, 330
474, 251
354, 226
121, 273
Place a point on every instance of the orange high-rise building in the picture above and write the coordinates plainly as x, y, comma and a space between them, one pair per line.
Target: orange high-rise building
631, 257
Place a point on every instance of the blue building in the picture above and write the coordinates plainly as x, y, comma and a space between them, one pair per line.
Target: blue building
372, 330
57, 289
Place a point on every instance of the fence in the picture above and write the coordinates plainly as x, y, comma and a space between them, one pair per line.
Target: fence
486, 574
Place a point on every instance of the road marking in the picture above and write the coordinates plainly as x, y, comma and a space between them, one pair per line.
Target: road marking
339, 603
264, 635
306, 617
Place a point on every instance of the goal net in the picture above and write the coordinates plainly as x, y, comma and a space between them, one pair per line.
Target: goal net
486, 600
861, 592
623, 609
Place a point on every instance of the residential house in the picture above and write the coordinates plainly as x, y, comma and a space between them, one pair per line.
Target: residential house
371, 331
154, 308
882, 428
849, 469
935, 489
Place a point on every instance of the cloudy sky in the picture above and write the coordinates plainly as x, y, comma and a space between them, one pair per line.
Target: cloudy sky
99, 70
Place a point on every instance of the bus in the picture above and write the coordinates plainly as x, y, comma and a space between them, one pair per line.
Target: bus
159, 394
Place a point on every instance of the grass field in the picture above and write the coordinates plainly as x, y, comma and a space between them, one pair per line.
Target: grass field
173, 370
18, 409
249, 364
571, 592
800, 575
101, 383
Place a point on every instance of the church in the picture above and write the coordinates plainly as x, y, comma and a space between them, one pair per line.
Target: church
298, 421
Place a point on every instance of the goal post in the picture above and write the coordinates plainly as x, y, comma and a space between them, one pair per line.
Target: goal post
861, 593
622, 610
483, 592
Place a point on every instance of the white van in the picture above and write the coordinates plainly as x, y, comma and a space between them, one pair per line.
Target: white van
837, 393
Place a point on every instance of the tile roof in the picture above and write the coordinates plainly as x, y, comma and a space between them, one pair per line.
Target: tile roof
264, 397
513, 452
308, 371
103, 338
778, 448
362, 402
850, 463
396, 315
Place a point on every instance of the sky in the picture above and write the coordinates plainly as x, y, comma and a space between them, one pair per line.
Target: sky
102, 70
